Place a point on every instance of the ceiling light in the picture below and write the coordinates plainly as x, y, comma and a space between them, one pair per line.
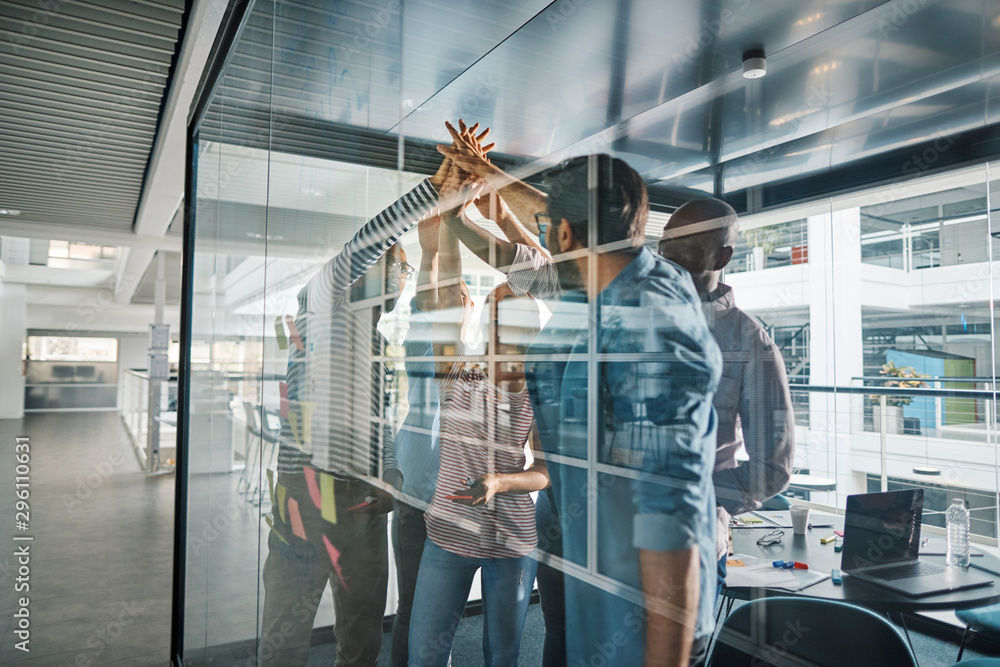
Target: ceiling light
9, 211
754, 63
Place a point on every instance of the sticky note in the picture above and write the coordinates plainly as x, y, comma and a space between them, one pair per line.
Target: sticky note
283, 392
749, 519
270, 485
293, 332
829, 538
298, 530
281, 491
279, 332
735, 562
306, 408
270, 523
310, 474
329, 507
335, 559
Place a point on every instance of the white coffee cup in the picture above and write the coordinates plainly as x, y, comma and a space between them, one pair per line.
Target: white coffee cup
800, 518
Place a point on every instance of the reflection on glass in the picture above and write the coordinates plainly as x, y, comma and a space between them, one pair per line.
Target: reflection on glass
493, 379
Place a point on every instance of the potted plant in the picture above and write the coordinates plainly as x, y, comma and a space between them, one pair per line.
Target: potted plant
762, 242
905, 377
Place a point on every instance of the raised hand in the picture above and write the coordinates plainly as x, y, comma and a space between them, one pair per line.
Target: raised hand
467, 152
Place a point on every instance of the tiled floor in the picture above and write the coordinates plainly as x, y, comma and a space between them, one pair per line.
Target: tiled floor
103, 542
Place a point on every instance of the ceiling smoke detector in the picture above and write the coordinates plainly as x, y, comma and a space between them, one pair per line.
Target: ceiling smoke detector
754, 63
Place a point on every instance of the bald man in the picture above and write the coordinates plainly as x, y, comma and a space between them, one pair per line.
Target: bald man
753, 403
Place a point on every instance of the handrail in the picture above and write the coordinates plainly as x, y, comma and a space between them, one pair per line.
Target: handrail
889, 378
895, 391
794, 336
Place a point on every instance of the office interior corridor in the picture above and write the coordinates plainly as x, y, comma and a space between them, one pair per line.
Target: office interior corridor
101, 557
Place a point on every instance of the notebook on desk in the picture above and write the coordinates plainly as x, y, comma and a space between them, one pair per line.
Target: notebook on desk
882, 545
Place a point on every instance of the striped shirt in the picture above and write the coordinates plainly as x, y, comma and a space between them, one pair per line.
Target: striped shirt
483, 430
532, 272
335, 421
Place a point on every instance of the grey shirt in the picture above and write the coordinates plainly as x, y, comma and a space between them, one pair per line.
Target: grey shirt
754, 409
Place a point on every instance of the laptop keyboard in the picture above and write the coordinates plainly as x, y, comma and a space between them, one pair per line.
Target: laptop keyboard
906, 570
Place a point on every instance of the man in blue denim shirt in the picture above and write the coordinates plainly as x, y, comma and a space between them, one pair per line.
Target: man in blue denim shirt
644, 593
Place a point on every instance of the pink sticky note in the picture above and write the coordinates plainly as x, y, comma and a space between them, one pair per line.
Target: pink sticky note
298, 530
283, 391
293, 333
335, 559
313, 487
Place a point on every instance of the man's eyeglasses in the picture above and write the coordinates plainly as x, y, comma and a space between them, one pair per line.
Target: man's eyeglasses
771, 538
402, 268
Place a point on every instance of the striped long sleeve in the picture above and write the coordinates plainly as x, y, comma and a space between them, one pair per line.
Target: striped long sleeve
333, 381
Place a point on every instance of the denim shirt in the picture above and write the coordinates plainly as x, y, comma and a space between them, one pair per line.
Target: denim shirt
657, 369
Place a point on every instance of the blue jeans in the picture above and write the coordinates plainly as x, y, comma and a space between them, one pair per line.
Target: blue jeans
443, 586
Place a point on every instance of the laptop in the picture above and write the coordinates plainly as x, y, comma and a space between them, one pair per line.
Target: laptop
882, 543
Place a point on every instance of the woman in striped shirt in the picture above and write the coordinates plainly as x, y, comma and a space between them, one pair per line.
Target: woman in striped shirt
481, 516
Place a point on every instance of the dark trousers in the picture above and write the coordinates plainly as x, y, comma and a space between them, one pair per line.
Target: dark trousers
297, 571
409, 533
551, 588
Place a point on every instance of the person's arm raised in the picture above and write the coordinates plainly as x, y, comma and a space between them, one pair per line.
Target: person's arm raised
524, 200
492, 207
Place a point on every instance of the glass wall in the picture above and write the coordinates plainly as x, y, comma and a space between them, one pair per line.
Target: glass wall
405, 367
893, 305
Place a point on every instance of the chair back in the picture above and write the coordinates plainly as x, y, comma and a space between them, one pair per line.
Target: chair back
776, 503
271, 427
253, 417
808, 632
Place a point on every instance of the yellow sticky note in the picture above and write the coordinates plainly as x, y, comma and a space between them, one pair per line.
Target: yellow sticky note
735, 562
749, 519
281, 490
270, 524
329, 508
279, 332
270, 485
307, 411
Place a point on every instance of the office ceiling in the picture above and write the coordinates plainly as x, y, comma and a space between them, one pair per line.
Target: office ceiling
657, 83
850, 84
82, 87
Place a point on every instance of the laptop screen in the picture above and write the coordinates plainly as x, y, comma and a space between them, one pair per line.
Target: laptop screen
882, 528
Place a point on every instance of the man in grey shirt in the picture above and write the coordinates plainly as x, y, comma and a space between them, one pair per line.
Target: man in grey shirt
753, 403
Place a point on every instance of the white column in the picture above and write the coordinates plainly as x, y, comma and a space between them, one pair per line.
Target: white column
13, 330
836, 354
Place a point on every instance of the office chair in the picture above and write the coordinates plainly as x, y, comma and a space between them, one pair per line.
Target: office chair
776, 503
982, 620
270, 430
807, 631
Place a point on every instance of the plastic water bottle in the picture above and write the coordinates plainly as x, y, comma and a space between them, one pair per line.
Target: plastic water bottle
958, 534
